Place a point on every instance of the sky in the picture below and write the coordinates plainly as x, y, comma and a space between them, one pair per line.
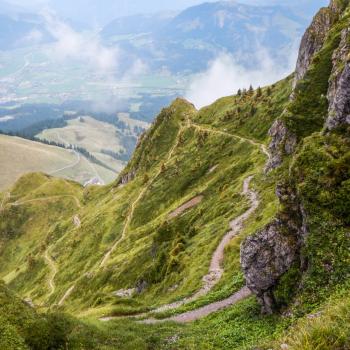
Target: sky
102, 11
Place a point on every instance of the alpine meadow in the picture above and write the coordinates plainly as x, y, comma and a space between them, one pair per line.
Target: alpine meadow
228, 228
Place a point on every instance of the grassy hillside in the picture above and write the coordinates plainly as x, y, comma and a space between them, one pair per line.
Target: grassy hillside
157, 250
96, 137
162, 243
19, 156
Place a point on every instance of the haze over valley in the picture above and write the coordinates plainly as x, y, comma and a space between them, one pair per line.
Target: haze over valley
55, 61
174, 175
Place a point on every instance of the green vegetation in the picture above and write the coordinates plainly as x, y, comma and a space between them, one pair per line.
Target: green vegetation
117, 250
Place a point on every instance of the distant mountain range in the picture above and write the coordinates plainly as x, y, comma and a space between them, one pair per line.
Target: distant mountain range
188, 40
21, 30
181, 42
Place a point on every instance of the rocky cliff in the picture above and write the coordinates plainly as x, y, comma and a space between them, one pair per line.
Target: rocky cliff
270, 253
283, 140
339, 88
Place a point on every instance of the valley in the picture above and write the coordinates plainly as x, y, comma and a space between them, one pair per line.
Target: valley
213, 228
23, 156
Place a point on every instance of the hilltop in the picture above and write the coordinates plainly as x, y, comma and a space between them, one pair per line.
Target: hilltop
234, 216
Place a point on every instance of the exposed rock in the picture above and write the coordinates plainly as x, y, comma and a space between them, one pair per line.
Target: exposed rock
265, 257
339, 85
128, 177
76, 221
141, 286
314, 39
270, 253
29, 302
283, 142
124, 293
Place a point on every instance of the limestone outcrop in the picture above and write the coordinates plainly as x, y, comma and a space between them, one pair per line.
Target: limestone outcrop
339, 84
272, 251
265, 257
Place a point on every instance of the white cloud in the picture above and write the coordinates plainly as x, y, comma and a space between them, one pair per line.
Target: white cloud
34, 37
226, 74
70, 45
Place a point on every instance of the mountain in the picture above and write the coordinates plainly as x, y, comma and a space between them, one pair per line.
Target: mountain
137, 24
20, 156
22, 30
234, 216
188, 41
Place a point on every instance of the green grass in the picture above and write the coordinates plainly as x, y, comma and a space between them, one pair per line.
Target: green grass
177, 159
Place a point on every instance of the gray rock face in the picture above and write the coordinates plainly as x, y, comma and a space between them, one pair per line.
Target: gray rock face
282, 142
339, 87
265, 257
126, 178
314, 39
270, 253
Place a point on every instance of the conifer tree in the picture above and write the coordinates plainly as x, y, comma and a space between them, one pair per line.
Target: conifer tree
259, 92
251, 90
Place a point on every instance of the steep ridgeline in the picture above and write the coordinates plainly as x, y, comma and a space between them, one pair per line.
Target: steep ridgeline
200, 202
305, 249
148, 239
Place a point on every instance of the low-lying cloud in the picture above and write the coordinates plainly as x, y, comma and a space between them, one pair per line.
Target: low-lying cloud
82, 47
226, 74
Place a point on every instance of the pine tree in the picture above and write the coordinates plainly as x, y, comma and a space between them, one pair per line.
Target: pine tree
251, 91
258, 92
269, 91
239, 92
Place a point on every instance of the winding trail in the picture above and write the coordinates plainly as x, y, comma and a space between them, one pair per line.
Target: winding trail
203, 311
44, 199
50, 262
74, 164
215, 270
52, 265
225, 133
66, 295
140, 196
130, 215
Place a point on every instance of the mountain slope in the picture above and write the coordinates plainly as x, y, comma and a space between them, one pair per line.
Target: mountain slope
194, 37
203, 212
19, 156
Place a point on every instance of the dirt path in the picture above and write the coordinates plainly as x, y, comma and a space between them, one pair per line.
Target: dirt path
214, 274
140, 196
52, 265
188, 205
262, 147
206, 310
216, 270
43, 199
74, 164
66, 295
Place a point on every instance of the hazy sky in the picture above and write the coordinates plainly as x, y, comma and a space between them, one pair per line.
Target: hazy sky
102, 11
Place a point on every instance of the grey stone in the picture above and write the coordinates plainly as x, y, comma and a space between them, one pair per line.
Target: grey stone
339, 84
265, 257
314, 39
282, 141
128, 177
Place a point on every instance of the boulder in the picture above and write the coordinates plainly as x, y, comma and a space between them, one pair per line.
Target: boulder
265, 257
